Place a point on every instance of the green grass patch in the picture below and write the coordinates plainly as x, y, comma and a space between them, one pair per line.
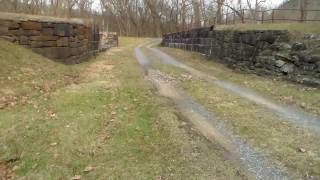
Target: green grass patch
264, 130
278, 90
109, 119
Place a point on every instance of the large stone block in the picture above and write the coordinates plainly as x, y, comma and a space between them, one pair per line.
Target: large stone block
4, 23
16, 32
47, 24
47, 31
14, 25
74, 44
31, 25
63, 42
23, 40
38, 44
62, 29
43, 38
74, 51
4, 30
30, 33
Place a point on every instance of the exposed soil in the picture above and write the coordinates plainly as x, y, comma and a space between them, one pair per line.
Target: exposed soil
291, 114
6, 173
254, 163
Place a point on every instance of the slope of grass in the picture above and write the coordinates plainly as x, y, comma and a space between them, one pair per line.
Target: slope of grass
281, 91
108, 124
24, 74
268, 133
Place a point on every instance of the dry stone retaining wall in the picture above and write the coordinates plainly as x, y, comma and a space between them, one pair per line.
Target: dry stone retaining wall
63, 41
268, 52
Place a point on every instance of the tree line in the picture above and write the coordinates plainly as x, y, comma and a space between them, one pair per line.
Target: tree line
141, 17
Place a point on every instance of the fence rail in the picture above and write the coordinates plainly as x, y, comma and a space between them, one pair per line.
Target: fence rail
270, 16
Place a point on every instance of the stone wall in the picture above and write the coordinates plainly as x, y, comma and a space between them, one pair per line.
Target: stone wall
63, 41
108, 40
267, 52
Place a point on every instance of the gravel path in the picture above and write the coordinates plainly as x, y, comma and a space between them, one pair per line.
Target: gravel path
291, 114
255, 163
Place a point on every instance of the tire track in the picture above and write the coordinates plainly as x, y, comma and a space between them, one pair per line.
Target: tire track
291, 114
254, 163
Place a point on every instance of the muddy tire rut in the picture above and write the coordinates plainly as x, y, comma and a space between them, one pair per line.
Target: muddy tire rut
255, 164
291, 114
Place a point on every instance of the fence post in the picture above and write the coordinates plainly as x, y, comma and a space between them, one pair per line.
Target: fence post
272, 16
234, 18
242, 16
262, 17
226, 19
302, 15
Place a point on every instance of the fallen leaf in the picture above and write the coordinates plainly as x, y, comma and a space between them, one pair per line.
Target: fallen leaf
53, 144
113, 113
88, 169
2, 106
302, 150
55, 156
76, 177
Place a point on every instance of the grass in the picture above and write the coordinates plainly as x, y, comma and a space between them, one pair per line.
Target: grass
278, 90
260, 128
107, 118
309, 28
41, 18
275, 137
24, 75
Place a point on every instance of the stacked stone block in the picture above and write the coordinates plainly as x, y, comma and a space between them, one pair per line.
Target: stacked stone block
264, 52
55, 40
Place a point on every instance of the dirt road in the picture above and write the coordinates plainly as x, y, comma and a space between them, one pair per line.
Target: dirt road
257, 164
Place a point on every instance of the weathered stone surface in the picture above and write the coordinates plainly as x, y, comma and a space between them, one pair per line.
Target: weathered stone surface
280, 63
75, 51
47, 31
51, 39
43, 38
14, 26
261, 52
315, 58
287, 68
54, 52
30, 33
63, 42
24, 40
47, 24
283, 56
74, 44
309, 67
61, 29
280, 46
4, 30
304, 56
310, 81
16, 32
31, 25
297, 46
37, 44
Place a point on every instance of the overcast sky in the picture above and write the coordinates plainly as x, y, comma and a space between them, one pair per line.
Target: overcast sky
270, 3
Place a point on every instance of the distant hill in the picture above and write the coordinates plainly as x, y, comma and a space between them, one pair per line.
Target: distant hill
296, 15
